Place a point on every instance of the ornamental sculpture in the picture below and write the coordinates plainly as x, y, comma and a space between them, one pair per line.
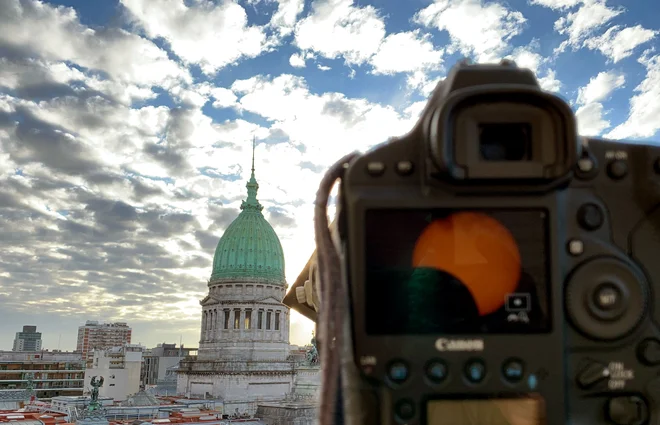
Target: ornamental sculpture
30, 394
312, 353
96, 384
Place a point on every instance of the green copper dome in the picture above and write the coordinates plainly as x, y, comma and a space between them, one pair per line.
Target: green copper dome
249, 250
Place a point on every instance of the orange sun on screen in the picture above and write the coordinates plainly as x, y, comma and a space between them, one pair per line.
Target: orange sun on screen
477, 250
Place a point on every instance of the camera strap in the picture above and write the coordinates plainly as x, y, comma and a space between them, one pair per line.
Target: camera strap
333, 296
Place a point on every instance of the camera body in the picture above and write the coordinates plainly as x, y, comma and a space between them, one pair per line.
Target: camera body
499, 268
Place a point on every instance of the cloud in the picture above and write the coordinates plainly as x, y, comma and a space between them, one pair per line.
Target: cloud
415, 47
279, 217
528, 57
486, 37
284, 19
600, 87
590, 114
336, 28
618, 44
347, 123
578, 25
556, 4
207, 34
297, 61
645, 105
35, 141
56, 34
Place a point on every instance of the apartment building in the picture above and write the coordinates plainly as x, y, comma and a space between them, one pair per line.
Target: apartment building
100, 336
27, 340
53, 373
158, 360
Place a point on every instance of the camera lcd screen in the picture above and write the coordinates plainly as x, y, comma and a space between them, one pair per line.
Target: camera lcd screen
456, 272
521, 411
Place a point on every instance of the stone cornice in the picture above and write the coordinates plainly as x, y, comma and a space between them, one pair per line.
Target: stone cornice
248, 303
234, 373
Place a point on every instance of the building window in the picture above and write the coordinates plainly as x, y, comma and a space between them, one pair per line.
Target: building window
277, 321
260, 320
248, 319
268, 314
237, 319
226, 319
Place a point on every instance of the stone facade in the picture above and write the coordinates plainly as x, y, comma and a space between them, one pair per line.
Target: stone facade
244, 354
244, 321
281, 414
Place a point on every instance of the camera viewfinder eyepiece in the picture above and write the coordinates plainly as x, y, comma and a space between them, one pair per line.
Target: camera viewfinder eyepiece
494, 123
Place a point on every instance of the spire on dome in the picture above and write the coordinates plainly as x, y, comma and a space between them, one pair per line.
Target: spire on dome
251, 203
254, 140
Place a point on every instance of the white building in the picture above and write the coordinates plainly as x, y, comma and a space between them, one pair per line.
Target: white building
69, 404
244, 352
120, 369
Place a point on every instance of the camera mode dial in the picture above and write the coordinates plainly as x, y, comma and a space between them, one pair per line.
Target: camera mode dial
606, 298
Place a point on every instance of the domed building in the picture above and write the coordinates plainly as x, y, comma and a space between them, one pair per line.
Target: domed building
243, 355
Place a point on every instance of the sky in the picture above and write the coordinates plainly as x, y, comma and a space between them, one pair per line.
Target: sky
126, 128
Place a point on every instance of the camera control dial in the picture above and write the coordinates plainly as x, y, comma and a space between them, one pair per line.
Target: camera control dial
606, 298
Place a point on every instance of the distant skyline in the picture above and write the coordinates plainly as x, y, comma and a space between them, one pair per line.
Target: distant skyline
126, 128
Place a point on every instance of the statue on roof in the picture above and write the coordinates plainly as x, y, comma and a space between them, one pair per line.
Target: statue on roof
312, 352
96, 384
29, 388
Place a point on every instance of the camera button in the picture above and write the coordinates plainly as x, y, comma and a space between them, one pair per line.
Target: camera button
475, 371
590, 217
586, 165
627, 410
405, 409
609, 300
513, 370
397, 372
649, 352
404, 168
376, 168
617, 169
608, 297
575, 247
436, 371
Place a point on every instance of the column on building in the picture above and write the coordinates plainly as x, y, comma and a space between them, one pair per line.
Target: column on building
217, 323
204, 318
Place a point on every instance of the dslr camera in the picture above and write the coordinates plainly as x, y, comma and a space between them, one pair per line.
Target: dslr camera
499, 268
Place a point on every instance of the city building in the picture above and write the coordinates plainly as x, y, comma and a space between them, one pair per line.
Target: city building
69, 404
244, 353
158, 360
27, 340
50, 374
100, 336
120, 369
